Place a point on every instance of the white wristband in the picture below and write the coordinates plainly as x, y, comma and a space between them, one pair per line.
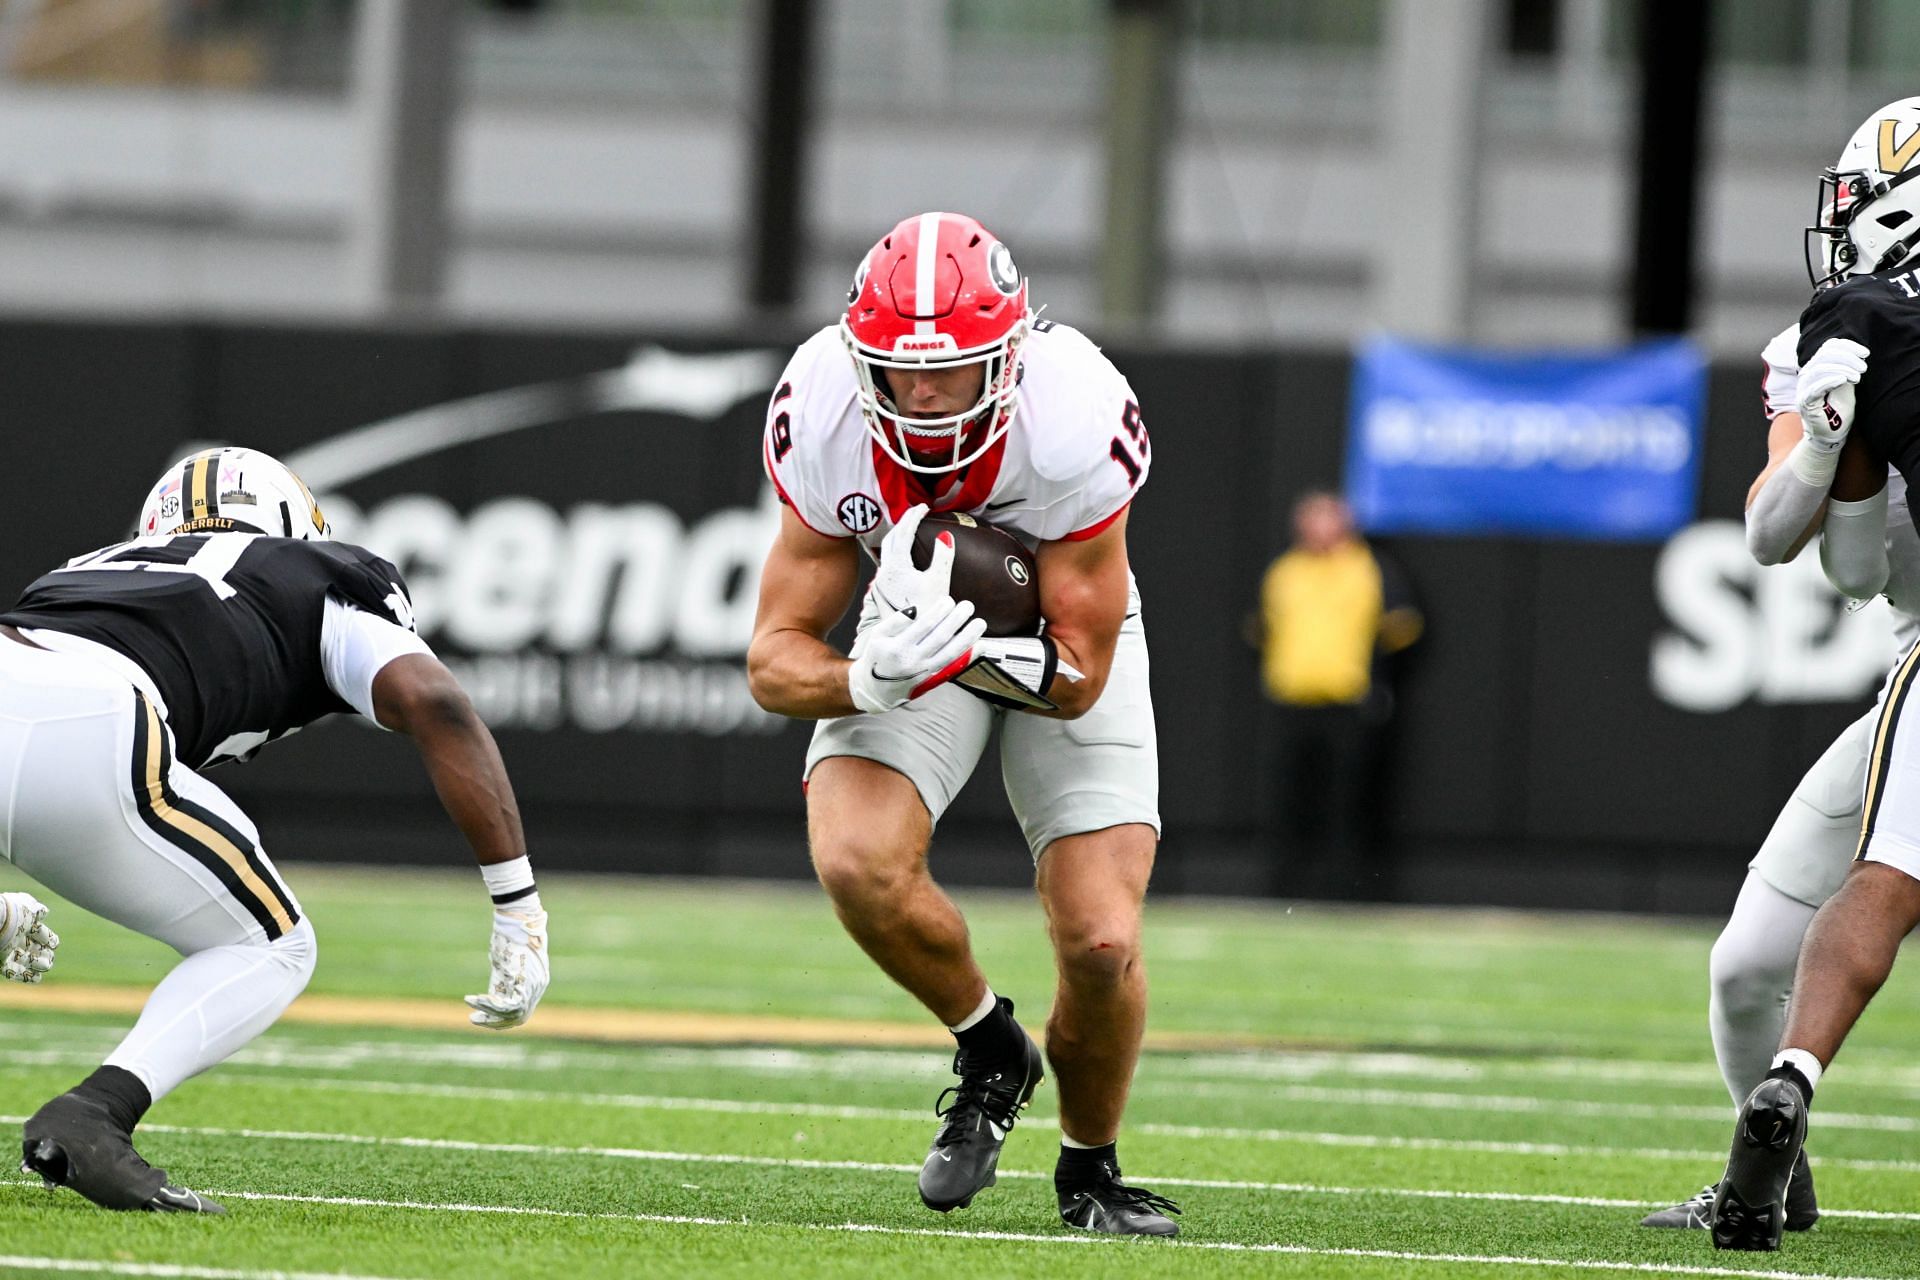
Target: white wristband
1814, 465
508, 881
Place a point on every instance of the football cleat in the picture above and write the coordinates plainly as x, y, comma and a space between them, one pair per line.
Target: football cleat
974, 1125
1689, 1215
1749, 1206
73, 1142
1110, 1205
1695, 1214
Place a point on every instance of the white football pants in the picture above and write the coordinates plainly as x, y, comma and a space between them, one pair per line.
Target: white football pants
94, 806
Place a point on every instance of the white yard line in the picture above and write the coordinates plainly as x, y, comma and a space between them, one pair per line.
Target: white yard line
1082, 1240
1169, 1070
869, 1166
1374, 1098
88, 1266
1205, 1133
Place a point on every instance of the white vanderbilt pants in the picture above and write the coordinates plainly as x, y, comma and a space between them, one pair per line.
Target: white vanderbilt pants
94, 806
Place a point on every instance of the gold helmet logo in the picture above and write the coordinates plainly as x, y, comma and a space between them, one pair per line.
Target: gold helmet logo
1895, 159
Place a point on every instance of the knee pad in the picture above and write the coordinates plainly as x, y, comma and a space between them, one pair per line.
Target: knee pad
1745, 982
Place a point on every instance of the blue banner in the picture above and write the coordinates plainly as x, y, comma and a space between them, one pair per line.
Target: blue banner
1602, 446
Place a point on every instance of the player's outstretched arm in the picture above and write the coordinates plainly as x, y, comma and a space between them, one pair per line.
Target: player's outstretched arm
1083, 597
805, 588
417, 695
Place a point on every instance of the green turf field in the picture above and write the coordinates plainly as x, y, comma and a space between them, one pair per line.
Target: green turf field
1444, 1095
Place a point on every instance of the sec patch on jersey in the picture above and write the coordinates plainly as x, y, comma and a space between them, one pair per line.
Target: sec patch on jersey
991, 567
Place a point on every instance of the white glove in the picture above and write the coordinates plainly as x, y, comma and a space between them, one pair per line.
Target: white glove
1824, 392
904, 655
518, 954
1015, 671
1781, 360
26, 944
898, 585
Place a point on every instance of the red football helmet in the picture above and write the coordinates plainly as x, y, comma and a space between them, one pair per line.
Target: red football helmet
938, 289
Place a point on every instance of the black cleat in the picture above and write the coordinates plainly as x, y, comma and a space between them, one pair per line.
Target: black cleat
1749, 1206
985, 1105
1110, 1205
73, 1142
1695, 1214
1689, 1215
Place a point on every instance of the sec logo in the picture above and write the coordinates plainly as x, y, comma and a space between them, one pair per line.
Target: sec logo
858, 512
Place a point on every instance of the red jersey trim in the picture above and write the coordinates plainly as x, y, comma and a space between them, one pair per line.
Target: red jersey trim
900, 488
1095, 530
780, 491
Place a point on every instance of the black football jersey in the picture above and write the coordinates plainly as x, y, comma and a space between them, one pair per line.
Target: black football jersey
1882, 313
227, 625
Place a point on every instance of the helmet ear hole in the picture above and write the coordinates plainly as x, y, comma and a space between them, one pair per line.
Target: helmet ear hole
1897, 218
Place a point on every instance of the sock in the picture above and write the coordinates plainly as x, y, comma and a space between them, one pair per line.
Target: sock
1800, 1067
210, 1005
1080, 1164
125, 1097
989, 1033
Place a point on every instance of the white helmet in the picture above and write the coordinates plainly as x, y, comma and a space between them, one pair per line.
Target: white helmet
1869, 213
232, 490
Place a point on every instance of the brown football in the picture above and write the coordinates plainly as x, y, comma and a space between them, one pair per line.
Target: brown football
991, 567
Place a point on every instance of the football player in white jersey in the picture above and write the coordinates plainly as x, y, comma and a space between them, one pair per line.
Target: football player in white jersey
1799, 495
939, 390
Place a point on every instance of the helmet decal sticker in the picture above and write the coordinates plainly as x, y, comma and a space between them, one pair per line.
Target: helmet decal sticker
1000, 269
1895, 159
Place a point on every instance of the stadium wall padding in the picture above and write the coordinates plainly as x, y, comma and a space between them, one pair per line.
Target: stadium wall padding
1536, 765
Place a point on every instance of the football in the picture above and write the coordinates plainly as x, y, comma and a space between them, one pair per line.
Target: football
991, 567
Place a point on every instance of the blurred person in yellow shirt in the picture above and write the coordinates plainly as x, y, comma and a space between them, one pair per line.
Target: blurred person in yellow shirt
1335, 616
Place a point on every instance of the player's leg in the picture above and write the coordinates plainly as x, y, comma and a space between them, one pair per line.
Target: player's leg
876, 785
1800, 864
869, 831
1086, 792
1848, 952
1092, 886
1750, 975
105, 819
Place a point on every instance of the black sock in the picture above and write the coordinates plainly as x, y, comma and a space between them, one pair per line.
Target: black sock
1082, 1165
125, 1097
1785, 1072
995, 1037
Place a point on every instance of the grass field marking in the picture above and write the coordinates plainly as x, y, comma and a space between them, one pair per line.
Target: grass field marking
61, 1046
14, 1262
1032, 1237
838, 1111
873, 1166
322, 1058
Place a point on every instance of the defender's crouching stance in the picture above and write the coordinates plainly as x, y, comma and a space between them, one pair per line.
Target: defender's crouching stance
230, 622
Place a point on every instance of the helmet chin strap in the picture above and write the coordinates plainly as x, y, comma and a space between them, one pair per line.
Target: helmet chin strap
1897, 253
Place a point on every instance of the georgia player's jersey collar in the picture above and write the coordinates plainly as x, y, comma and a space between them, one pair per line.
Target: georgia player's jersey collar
964, 490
